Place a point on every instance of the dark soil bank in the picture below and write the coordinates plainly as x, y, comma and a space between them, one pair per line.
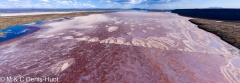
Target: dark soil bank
227, 31
217, 14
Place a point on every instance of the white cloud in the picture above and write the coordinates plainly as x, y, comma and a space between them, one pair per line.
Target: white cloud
64, 2
88, 5
45, 4
4, 5
45, 0
13, 0
73, 4
135, 2
108, 1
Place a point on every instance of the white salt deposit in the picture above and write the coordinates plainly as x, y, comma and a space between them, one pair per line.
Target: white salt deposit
85, 38
68, 37
129, 33
62, 65
144, 31
94, 39
79, 34
112, 28
83, 22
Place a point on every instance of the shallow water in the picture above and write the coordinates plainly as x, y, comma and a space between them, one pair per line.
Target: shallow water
18, 31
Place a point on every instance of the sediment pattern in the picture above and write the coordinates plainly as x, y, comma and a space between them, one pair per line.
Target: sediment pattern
135, 47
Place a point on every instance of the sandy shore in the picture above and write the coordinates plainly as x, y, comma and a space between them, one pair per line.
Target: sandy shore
134, 47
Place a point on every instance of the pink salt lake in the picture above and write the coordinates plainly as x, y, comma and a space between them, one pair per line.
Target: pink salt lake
135, 47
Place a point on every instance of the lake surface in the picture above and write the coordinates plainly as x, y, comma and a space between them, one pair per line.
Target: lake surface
18, 31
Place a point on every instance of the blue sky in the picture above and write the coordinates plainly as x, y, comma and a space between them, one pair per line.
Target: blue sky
152, 4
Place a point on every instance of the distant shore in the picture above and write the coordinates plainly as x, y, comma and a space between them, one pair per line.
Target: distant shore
227, 31
224, 23
24, 18
32, 13
7, 20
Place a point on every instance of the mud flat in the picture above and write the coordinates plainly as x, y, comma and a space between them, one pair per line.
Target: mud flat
135, 47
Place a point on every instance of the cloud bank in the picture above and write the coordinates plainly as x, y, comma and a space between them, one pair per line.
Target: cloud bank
141, 1
88, 3
45, 4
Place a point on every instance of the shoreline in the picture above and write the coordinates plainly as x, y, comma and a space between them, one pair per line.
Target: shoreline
224, 23
14, 19
228, 31
25, 18
205, 24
